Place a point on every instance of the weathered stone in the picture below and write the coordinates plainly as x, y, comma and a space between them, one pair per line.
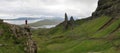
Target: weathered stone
66, 22
71, 24
27, 28
107, 7
31, 46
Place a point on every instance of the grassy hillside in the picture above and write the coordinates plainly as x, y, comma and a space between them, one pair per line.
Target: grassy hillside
98, 35
8, 44
88, 36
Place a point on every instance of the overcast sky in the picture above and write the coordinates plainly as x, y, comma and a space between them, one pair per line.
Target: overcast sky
38, 8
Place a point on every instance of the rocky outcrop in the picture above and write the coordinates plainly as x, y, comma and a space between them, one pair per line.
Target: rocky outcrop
31, 45
23, 35
17, 31
107, 7
72, 22
68, 23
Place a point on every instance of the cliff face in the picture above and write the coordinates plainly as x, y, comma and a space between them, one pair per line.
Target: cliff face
107, 7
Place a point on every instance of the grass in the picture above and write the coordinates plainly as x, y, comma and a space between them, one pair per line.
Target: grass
84, 38
6, 39
56, 40
108, 30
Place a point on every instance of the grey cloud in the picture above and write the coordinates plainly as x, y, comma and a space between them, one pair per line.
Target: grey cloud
8, 0
30, 11
78, 8
50, 2
84, 1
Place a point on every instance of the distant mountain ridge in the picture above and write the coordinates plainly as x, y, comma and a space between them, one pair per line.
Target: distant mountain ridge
34, 18
54, 21
23, 18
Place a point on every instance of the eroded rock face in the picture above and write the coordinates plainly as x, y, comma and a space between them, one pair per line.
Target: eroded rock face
107, 7
68, 24
24, 34
31, 46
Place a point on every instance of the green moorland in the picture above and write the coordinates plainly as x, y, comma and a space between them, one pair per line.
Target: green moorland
98, 35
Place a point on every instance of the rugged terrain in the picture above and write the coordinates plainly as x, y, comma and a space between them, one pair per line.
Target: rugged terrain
15, 39
108, 7
99, 33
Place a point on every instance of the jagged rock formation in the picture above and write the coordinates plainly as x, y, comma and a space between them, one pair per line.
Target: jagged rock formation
17, 31
72, 22
68, 23
31, 46
65, 21
23, 35
108, 7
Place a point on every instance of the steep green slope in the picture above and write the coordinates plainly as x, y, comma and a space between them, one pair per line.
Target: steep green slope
99, 33
7, 41
87, 37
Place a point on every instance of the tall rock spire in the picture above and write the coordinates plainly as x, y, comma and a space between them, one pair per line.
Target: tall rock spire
72, 22
72, 19
66, 17
66, 21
